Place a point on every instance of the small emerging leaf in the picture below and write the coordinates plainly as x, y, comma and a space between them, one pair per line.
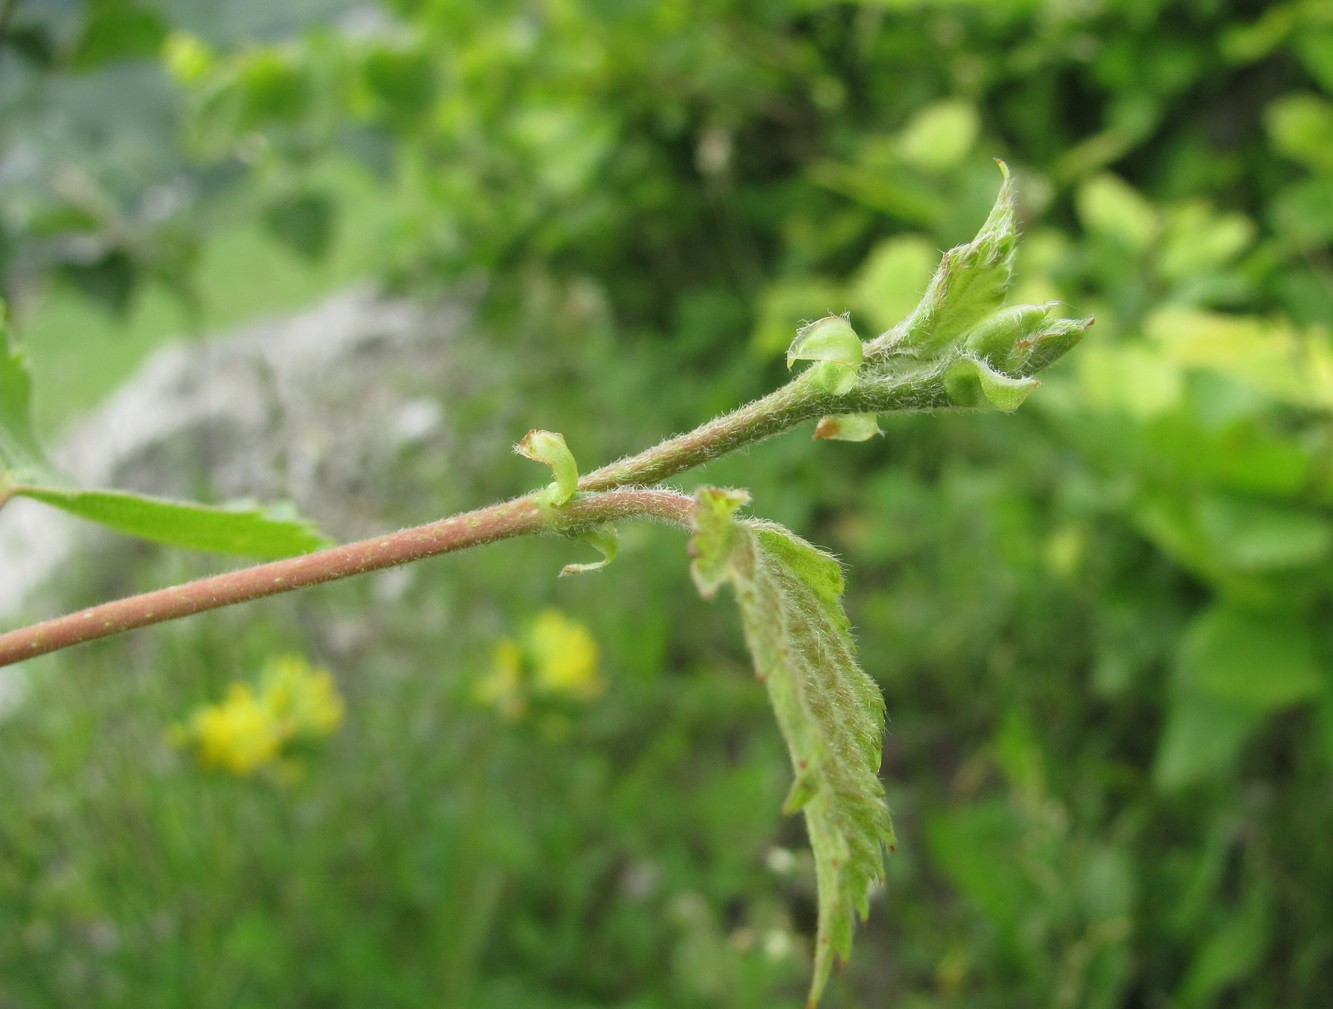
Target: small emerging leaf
830, 712
804, 787
549, 448
994, 337
970, 382
834, 346
605, 541
969, 283
848, 427
1042, 349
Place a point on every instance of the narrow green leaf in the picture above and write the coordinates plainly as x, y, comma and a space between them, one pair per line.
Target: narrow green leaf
21, 458
237, 528
241, 527
830, 712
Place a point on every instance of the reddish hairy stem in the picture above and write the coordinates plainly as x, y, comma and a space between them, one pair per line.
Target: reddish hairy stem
518, 517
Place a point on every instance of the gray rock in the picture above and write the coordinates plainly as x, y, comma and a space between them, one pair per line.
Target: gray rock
318, 408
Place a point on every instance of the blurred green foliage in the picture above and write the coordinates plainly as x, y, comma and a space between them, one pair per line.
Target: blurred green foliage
1102, 625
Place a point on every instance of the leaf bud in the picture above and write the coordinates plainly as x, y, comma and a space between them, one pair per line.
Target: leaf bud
974, 383
714, 536
993, 339
1043, 348
848, 427
549, 448
834, 346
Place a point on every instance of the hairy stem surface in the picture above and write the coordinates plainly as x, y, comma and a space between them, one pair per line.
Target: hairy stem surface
781, 409
518, 517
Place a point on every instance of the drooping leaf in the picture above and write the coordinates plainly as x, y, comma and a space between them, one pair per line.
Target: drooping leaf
238, 528
604, 540
830, 712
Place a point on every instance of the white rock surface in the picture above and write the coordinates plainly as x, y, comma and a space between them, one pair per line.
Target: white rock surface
314, 408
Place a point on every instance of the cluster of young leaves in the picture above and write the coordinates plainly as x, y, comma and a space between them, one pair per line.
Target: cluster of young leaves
26, 471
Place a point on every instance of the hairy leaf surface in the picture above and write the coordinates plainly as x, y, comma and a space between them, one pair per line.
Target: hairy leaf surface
239, 528
970, 282
830, 712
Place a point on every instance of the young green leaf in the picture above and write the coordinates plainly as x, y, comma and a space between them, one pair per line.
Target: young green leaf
604, 540
549, 448
830, 712
714, 537
848, 427
969, 284
834, 346
268, 531
970, 382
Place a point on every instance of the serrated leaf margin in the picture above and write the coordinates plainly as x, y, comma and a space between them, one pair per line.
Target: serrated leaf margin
830, 713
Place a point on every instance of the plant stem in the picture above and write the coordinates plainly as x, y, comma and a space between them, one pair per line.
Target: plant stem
781, 409
517, 517
615, 491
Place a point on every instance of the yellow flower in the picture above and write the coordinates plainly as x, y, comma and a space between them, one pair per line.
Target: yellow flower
565, 657
556, 657
502, 687
246, 732
302, 697
239, 735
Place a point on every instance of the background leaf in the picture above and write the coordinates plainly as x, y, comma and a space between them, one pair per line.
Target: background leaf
242, 527
1258, 661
